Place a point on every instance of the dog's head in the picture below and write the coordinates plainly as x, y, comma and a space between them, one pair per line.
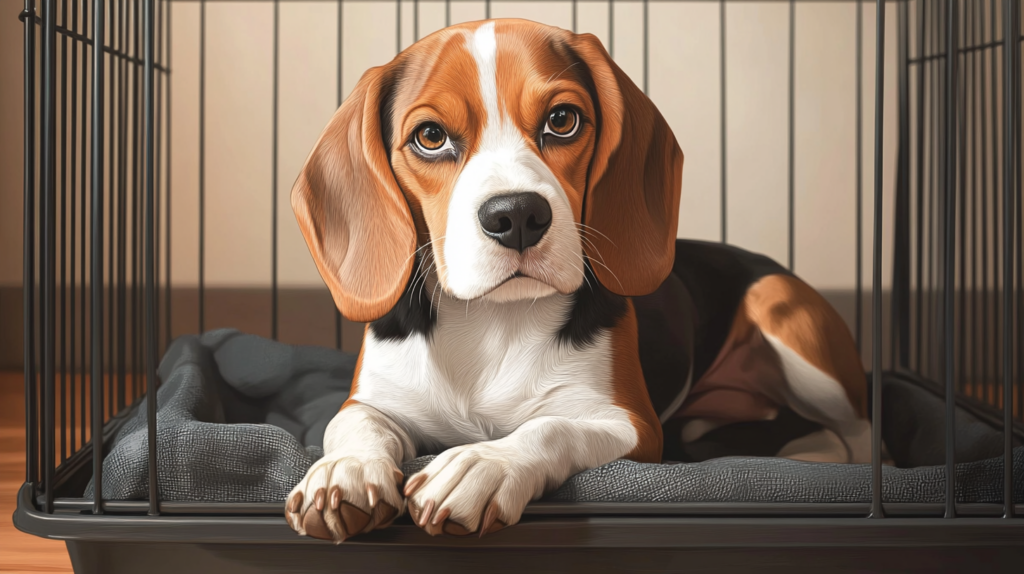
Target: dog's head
510, 151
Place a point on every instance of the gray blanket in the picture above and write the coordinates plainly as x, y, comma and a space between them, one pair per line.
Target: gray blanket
240, 418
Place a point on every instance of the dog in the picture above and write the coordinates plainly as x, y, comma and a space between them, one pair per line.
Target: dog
500, 204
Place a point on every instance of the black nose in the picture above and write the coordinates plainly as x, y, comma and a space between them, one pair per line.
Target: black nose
516, 220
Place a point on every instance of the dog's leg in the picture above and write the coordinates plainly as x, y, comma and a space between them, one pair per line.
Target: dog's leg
484, 487
824, 379
354, 487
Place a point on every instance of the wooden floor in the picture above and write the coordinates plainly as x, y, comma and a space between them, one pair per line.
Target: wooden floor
19, 552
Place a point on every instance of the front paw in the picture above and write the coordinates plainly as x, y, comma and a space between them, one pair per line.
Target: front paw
475, 488
342, 496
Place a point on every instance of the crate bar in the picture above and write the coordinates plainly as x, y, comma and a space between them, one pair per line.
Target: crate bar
416, 20
341, 36
398, 26
981, 384
73, 435
791, 197
202, 165
722, 113
150, 281
487, 9
447, 12
157, 131
136, 215
611, 28
961, 111
83, 185
62, 161
901, 248
876, 280
974, 18
48, 247
920, 205
29, 246
574, 9
122, 213
273, 182
647, 50
987, 333
167, 194
949, 255
111, 197
858, 321
1011, 72
96, 259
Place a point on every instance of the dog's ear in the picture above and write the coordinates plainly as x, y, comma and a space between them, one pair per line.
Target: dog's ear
633, 186
354, 217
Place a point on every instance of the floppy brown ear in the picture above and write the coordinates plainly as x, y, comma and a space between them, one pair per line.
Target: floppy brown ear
351, 211
633, 186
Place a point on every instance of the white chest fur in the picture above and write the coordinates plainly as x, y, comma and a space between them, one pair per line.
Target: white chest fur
485, 369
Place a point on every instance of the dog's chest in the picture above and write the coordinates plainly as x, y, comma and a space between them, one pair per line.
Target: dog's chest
483, 371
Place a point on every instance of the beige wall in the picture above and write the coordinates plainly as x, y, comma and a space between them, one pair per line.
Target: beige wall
684, 83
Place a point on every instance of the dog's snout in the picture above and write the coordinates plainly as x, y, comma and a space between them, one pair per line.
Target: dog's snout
516, 220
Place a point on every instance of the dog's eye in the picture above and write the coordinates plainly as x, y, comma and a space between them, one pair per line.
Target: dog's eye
563, 122
431, 139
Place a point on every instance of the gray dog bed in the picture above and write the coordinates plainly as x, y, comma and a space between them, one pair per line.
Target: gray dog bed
240, 418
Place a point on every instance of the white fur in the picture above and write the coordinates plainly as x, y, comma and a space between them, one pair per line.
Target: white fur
522, 409
816, 396
474, 264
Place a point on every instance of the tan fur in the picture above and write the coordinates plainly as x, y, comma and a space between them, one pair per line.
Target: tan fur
791, 310
631, 391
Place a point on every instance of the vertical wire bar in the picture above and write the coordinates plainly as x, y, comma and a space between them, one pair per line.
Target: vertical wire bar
791, 195
398, 26
96, 262
611, 28
122, 211
273, 183
859, 189
136, 214
933, 187
150, 281
29, 246
961, 291
63, 233
901, 248
876, 288
949, 255
71, 364
49, 220
922, 67
991, 310
982, 384
158, 94
111, 201
574, 16
647, 50
487, 9
1011, 49
202, 165
973, 356
415, 20
341, 36
1019, 211
447, 13
167, 262
722, 117
83, 371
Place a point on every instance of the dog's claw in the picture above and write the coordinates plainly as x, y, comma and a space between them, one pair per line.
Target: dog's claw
414, 484
490, 522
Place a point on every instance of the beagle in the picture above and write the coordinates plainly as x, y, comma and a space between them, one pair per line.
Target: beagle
500, 203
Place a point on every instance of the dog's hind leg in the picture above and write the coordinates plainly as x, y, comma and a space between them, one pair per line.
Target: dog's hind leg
823, 377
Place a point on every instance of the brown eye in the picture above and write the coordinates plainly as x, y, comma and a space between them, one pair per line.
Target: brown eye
563, 122
432, 139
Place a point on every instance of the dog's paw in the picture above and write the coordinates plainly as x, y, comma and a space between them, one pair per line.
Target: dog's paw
475, 488
342, 496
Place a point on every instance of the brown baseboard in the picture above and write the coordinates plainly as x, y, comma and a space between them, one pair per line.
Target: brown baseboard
305, 317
